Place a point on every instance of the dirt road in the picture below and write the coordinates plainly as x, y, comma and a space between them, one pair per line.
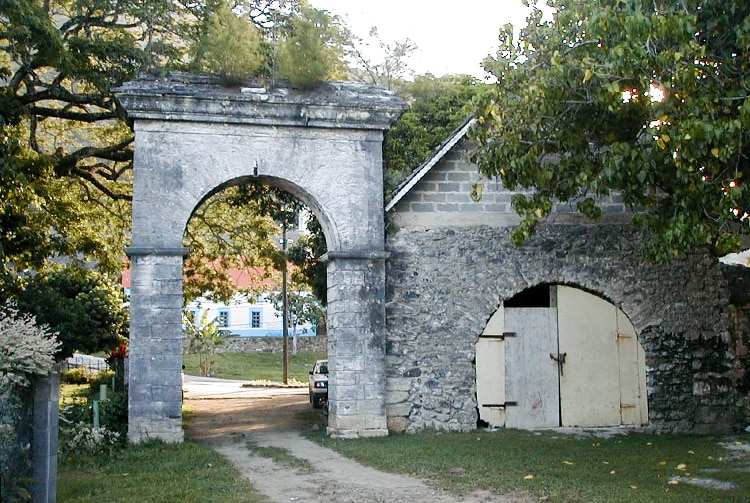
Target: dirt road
227, 425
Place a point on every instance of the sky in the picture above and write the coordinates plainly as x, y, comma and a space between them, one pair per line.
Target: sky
452, 36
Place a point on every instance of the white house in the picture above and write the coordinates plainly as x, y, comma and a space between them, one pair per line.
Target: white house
247, 319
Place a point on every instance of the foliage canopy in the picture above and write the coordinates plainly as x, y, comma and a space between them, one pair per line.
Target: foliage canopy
646, 98
66, 149
438, 105
85, 308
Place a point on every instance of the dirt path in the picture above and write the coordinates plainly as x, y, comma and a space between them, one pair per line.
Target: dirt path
227, 425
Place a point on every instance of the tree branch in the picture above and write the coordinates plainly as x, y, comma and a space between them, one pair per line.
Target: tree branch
74, 116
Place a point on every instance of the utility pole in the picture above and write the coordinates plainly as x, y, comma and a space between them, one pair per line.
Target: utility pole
285, 304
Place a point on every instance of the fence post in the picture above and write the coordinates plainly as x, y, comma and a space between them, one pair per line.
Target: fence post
44, 444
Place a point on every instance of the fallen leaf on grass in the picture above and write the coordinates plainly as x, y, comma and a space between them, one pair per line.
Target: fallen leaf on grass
567, 463
528, 477
681, 466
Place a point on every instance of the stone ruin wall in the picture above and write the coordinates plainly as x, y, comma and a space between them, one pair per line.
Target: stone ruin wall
448, 274
316, 344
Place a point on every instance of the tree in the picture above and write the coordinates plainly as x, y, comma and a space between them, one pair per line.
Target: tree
203, 336
311, 48
438, 106
230, 230
85, 308
305, 254
230, 47
644, 98
303, 308
66, 149
391, 71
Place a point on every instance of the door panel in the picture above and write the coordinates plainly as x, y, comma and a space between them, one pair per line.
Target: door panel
491, 380
590, 384
490, 365
531, 378
632, 364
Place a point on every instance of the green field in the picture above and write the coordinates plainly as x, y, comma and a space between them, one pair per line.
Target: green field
256, 366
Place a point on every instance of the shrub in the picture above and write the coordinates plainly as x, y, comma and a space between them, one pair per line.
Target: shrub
78, 435
230, 48
85, 308
311, 51
113, 412
26, 350
101, 377
76, 375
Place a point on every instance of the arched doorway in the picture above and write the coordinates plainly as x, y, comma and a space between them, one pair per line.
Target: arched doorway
559, 356
193, 136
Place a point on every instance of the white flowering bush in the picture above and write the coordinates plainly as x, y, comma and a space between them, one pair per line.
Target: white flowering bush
26, 349
81, 438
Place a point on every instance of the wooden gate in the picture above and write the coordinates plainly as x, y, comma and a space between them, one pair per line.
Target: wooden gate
577, 363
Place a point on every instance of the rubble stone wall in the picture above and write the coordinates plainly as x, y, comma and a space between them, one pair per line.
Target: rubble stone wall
444, 284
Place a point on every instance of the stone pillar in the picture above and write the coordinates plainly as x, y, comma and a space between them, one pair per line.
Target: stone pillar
356, 344
154, 377
44, 448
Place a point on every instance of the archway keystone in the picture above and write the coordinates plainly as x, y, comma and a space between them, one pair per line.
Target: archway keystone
194, 137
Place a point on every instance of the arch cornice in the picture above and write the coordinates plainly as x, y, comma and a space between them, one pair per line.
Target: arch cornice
199, 98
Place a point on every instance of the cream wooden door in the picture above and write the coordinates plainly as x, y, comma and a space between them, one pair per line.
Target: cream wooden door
590, 379
531, 377
603, 381
632, 361
490, 365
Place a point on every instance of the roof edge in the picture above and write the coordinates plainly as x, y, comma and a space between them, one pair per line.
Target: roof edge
430, 162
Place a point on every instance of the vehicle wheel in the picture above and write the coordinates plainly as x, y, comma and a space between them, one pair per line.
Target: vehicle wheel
310, 394
316, 402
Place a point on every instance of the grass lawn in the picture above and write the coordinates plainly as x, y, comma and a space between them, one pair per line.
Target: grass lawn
154, 473
256, 366
634, 468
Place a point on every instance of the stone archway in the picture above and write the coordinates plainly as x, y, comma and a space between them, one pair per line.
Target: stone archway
323, 146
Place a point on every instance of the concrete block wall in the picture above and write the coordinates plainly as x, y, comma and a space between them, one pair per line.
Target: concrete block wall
443, 198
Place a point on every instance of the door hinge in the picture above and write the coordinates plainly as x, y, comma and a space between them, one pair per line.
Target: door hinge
501, 336
499, 405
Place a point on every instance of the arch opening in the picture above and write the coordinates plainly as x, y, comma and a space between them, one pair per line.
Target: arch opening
256, 250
